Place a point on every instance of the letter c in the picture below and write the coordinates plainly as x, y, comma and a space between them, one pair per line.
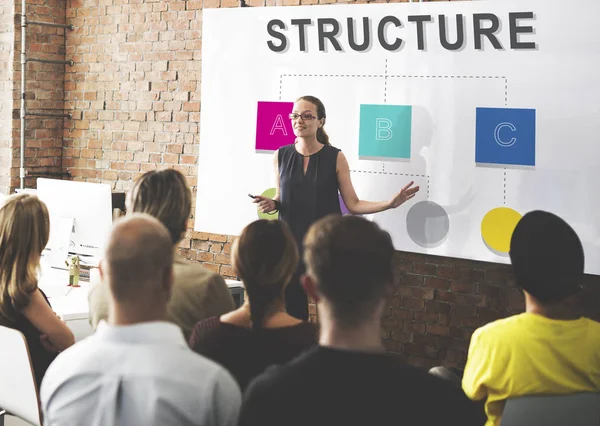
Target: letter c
499, 141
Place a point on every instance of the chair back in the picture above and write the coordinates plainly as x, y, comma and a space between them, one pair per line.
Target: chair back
18, 390
580, 409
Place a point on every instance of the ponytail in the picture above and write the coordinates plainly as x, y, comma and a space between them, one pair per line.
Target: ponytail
260, 299
322, 136
265, 257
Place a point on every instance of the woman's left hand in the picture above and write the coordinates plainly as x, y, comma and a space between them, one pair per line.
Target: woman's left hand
404, 195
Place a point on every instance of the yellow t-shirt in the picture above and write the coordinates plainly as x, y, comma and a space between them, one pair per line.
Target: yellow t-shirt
530, 354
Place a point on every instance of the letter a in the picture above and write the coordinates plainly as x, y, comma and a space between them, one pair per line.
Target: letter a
278, 125
383, 129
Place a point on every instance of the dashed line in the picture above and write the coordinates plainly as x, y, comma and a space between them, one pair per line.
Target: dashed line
280, 85
505, 186
385, 82
428, 187
388, 173
335, 75
396, 174
505, 104
397, 76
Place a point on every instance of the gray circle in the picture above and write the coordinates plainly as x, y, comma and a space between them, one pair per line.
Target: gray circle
427, 224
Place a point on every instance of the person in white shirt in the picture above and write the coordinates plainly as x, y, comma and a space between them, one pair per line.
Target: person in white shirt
137, 369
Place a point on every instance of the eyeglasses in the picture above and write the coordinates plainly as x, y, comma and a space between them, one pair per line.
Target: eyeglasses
306, 116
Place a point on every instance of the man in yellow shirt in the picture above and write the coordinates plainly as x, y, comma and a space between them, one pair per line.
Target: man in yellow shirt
548, 349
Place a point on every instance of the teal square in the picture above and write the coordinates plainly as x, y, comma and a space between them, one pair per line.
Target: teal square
385, 131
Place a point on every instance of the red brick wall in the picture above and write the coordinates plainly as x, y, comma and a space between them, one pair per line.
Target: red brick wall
134, 92
440, 301
44, 91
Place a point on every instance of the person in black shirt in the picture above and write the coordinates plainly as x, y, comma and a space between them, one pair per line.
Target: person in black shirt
260, 333
310, 176
349, 379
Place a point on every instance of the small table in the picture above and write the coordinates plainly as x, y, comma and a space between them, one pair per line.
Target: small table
71, 304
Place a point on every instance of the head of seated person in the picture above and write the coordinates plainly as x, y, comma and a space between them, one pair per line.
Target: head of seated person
138, 268
165, 195
349, 274
265, 257
548, 262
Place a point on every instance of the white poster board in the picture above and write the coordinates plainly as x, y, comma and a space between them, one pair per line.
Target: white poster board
502, 123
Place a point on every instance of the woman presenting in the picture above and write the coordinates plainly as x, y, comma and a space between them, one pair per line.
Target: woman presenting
309, 173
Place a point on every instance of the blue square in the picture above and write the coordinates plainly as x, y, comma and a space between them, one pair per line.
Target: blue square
505, 136
385, 131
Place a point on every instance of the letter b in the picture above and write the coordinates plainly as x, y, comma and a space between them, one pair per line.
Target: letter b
383, 129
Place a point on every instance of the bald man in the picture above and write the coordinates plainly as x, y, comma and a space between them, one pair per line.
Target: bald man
137, 368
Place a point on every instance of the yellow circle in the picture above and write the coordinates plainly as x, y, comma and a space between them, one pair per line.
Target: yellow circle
268, 193
497, 227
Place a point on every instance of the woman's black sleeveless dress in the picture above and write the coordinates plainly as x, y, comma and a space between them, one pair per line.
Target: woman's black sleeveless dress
305, 198
40, 357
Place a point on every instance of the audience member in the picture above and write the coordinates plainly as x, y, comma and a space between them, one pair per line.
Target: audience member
137, 369
24, 232
260, 333
197, 292
548, 349
349, 379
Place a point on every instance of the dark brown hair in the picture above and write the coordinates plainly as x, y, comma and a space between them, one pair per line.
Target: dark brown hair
265, 258
321, 114
165, 195
350, 259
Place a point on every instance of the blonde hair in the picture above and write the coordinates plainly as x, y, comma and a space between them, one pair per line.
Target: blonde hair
265, 258
165, 195
24, 232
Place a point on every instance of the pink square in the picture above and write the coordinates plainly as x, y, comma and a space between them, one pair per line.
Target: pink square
273, 126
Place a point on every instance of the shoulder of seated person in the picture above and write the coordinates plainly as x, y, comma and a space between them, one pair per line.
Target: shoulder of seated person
271, 378
500, 326
183, 267
294, 369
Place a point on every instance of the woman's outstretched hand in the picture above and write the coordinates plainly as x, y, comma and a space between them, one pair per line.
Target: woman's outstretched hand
404, 195
265, 204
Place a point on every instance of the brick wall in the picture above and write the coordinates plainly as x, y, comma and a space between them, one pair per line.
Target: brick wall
7, 39
134, 92
44, 91
440, 301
